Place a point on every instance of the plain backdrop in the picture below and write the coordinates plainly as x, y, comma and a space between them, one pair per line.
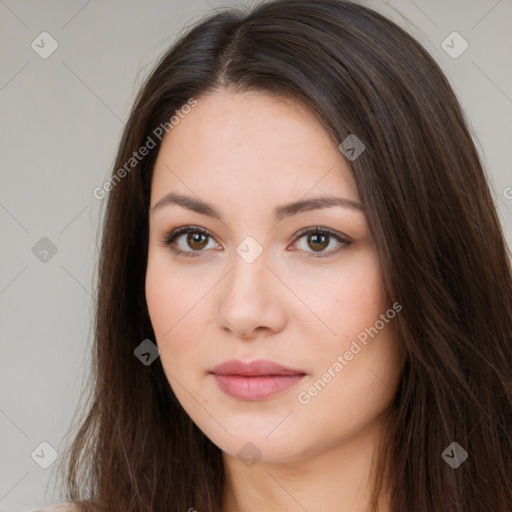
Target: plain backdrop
60, 125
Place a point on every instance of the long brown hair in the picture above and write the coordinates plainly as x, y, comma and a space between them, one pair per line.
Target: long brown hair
441, 248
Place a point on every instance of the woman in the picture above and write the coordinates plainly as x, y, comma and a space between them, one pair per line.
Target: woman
304, 296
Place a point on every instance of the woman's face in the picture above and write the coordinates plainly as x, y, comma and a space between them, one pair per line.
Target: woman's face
249, 285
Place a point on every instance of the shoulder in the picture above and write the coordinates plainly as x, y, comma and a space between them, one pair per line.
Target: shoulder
58, 507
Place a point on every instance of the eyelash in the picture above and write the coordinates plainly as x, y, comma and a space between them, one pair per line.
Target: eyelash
167, 240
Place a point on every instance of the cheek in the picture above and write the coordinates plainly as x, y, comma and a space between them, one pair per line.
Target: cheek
346, 394
369, 369
172, 305
347, 300
359, 301
168, 306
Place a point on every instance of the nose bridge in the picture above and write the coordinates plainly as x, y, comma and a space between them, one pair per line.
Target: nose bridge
249, 271
248, 298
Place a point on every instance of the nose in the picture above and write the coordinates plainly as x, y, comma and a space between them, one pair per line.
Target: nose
251, 300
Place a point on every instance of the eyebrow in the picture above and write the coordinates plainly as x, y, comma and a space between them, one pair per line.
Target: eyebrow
280, 212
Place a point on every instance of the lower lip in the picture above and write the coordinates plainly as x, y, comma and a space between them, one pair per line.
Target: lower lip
257, 387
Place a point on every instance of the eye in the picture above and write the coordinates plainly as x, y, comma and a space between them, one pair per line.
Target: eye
317, 238
196, 239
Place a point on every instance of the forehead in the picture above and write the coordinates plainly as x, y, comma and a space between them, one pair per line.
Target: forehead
250, 145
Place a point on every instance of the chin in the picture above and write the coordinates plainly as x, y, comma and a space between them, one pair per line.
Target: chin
254, 451
252, 445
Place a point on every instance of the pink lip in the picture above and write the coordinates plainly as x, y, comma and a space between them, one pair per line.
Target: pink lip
255, 380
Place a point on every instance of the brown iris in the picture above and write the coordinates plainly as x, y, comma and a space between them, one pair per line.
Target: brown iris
319, 245
193, 240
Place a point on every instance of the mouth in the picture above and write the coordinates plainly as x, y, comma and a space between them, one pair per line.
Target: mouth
256, 380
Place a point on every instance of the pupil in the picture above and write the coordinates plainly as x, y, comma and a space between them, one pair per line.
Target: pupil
316, 242
194, 238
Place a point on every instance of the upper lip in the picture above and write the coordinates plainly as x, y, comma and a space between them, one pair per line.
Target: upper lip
253, 368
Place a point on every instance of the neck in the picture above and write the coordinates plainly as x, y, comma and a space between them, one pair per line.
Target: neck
332, 479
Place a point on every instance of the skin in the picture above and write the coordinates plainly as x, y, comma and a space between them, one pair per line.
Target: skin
246, 154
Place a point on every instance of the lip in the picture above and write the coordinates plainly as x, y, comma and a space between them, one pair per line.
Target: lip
255, 380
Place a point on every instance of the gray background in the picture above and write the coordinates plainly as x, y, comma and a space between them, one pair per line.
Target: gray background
61, 120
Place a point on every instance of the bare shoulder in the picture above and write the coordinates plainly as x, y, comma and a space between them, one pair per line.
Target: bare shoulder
58, 507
